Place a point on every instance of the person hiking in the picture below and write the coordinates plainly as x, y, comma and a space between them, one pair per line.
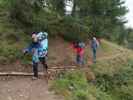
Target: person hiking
79, 48
39, 49
94, 46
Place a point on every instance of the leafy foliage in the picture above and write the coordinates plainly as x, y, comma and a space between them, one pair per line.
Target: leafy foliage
118, 84
102, 17
74, 86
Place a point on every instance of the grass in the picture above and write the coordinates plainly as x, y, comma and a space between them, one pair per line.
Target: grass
109, 85
114, 78
116, 59
74, 86
113, 70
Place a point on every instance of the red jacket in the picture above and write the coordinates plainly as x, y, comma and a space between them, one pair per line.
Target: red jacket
78, 50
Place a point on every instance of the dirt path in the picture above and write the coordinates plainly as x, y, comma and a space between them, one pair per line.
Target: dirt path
25, 89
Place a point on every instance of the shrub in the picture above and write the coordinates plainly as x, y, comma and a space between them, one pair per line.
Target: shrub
119, 84
74, 86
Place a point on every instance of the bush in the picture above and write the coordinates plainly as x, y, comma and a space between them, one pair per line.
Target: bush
120, 84
74, 86
80, 95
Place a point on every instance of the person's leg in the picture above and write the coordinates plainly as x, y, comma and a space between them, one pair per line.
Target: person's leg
78, 59
43, 61
82, 59
45, 67
35, 69
94, 55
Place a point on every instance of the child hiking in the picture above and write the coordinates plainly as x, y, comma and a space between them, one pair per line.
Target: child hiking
79, 48
39, 49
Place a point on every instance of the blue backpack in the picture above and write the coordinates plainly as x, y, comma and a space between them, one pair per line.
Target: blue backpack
42, 37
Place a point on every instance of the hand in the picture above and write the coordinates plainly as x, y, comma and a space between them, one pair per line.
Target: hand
24, 51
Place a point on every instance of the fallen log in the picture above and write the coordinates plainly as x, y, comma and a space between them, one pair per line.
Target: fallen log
18, 74
51, 70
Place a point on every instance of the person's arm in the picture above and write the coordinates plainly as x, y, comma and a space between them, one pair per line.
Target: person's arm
28, 49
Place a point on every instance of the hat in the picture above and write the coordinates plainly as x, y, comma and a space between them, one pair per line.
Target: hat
34, 33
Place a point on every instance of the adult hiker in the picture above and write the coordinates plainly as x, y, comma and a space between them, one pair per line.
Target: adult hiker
79, 48
94, 46
39, 49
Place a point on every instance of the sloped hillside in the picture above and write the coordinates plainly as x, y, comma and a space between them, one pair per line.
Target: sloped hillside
113, 76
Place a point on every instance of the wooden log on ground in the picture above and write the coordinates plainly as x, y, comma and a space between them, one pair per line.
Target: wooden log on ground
18, 74
51, 71
63, 67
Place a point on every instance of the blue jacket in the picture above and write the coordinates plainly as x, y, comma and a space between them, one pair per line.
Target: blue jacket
94, 44
33, 49
38, 50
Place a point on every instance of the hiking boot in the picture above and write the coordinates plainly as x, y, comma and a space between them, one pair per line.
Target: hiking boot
34, 78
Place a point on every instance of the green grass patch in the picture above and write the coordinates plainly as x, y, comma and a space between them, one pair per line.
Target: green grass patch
119, 82
74, 86
114, 78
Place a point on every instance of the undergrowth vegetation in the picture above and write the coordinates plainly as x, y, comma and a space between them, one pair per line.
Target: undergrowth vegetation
116, 84
74, 86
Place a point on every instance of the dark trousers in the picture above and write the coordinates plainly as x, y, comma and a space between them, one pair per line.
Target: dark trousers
94, 55
35, 66
79, 59
35, 69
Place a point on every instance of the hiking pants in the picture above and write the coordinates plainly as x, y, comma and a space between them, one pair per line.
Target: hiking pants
79, 59
35, 66
94, 55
